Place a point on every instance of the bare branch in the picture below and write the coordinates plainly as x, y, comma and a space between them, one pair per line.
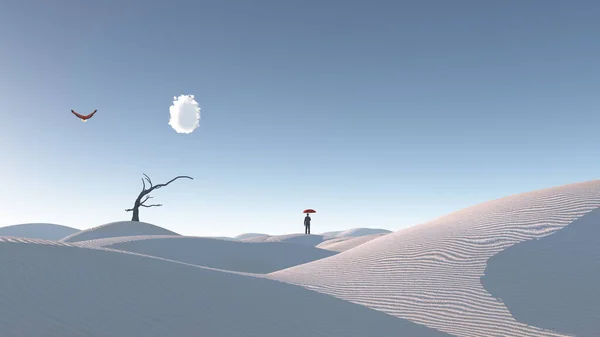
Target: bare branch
170, 181
143, 185
147, 197
129, 210
153, 205
148, 178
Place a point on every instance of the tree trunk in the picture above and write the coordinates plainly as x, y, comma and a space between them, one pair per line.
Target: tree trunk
136, 214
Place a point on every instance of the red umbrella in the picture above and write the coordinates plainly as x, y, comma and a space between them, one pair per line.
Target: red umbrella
310, 210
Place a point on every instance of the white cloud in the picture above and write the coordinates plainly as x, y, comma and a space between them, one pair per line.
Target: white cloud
185, 114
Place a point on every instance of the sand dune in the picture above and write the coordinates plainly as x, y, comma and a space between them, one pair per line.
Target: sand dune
44, 231
312, 239
248, 236
552, 282
355, 232
118, 229
121, 239
344, 243
301, 239
105, 242
53, 289
261, 257
430, 274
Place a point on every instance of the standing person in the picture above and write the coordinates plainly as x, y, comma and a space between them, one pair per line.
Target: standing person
307, 224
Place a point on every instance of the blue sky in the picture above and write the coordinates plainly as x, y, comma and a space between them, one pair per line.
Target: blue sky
375, 113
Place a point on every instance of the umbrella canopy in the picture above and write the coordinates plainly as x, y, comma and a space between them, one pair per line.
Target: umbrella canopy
310, 210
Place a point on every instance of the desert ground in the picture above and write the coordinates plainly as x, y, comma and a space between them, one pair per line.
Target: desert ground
525, 265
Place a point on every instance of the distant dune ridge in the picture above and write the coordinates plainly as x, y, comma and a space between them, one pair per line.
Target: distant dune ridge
45, 231
430, 273
248, 236
313, 239
118, 229
302, 239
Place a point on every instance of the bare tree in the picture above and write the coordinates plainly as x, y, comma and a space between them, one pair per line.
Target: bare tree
145, 195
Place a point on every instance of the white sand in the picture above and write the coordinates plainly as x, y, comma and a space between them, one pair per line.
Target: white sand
54, 289
312, 239
117, 229
344, 243
259, 257
103, 282
45, 231
430, 273
248, 236
355, 232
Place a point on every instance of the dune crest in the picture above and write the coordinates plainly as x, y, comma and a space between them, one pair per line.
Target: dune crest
118, 229
45, 231
345, 243
312, 239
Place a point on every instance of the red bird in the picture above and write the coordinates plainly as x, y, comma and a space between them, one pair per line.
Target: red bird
84, 118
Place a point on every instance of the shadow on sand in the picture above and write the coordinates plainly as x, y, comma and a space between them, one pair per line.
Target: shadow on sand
66, 291
553, 282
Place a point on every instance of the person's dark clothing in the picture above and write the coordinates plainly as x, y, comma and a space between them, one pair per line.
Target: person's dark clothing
307, 225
